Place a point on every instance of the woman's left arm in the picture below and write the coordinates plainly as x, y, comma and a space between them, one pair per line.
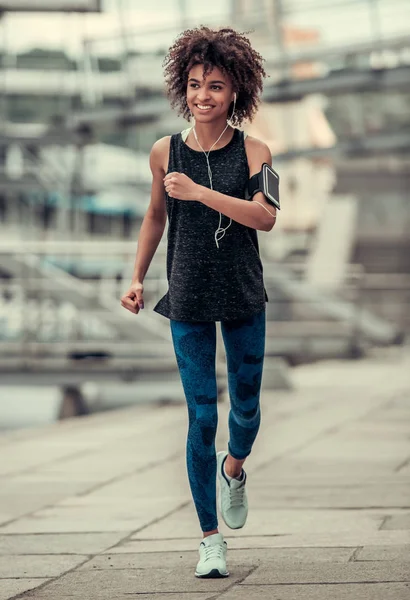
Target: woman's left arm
259, 153
250, 213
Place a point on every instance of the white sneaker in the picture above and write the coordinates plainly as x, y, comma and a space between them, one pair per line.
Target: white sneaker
233, 502
212, 553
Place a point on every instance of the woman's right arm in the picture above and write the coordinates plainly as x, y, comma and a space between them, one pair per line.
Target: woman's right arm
152, 227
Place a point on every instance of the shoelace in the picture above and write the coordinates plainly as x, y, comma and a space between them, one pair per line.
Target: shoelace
236, 495
213, 551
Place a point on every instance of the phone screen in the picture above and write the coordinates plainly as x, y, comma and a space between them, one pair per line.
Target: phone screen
272, 185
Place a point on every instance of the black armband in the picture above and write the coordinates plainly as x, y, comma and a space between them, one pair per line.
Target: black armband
267, 182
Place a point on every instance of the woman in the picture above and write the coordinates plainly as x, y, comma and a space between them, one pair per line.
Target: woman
200, 176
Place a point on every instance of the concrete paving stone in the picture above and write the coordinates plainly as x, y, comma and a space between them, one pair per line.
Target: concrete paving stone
285, 573
349, 539
43, 594
78, 519
129, 497
372, 513
389, 553
98, 504
300, 431
401, 401
45, 565
5, 517
11, 587
141, 560
128, 492
119, 459
28, 455
65, 444
272, 479
360, 372
398, 522
384, 452
321, 468
279, 521
136, 546
87, 428
320, 483
115, 582
62, 543
405, 470
344, 496
85, 478
369, 591
18, 498
23, 461
144, 560
373, 431
111, 505
166, 479
105, 464
392, 414
36, 524
379, 429
33, 486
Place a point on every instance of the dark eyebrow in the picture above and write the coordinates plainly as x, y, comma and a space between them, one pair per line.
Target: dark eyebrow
211, 82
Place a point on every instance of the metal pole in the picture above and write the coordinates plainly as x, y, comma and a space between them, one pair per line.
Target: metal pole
375, 22
125, 49
183, 13
278, 15
3, 97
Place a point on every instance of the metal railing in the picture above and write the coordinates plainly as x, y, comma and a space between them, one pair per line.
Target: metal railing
349, 34
52, 320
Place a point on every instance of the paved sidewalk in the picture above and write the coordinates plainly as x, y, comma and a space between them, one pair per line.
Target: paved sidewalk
100, 508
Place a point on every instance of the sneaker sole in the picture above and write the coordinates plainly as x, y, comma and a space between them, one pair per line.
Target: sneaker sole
214, 574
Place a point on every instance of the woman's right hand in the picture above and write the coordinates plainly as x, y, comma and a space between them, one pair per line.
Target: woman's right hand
133, 300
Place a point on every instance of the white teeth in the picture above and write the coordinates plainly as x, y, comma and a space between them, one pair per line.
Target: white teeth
203, 107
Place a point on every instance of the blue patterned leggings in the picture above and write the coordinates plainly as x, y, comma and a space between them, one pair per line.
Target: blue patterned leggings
195, 348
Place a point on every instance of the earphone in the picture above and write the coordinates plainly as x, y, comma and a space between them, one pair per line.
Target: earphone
220, 229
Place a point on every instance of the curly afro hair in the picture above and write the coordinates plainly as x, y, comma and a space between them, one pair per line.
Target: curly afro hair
224, 48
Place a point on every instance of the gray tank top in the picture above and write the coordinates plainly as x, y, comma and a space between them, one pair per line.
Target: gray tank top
207, 283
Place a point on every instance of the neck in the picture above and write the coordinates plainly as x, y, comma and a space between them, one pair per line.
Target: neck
208, 133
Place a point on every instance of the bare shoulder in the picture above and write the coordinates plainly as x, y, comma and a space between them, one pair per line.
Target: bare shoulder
257, 150
159, 155
162, 144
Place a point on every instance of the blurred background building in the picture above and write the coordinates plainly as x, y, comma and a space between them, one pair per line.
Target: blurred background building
81, 103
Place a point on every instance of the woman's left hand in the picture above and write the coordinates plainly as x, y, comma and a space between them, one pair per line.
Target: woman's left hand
181, 187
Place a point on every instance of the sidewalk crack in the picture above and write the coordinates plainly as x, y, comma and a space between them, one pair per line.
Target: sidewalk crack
355, 554
220, 593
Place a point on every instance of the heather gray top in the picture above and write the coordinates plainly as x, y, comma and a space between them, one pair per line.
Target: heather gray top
206, 283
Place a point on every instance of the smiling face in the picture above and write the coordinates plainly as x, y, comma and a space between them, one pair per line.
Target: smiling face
209, 98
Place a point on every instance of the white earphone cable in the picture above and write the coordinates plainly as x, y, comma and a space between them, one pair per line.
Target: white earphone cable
220, 229
274, 216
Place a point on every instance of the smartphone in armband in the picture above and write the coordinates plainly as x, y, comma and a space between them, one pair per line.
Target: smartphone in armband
267, 182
